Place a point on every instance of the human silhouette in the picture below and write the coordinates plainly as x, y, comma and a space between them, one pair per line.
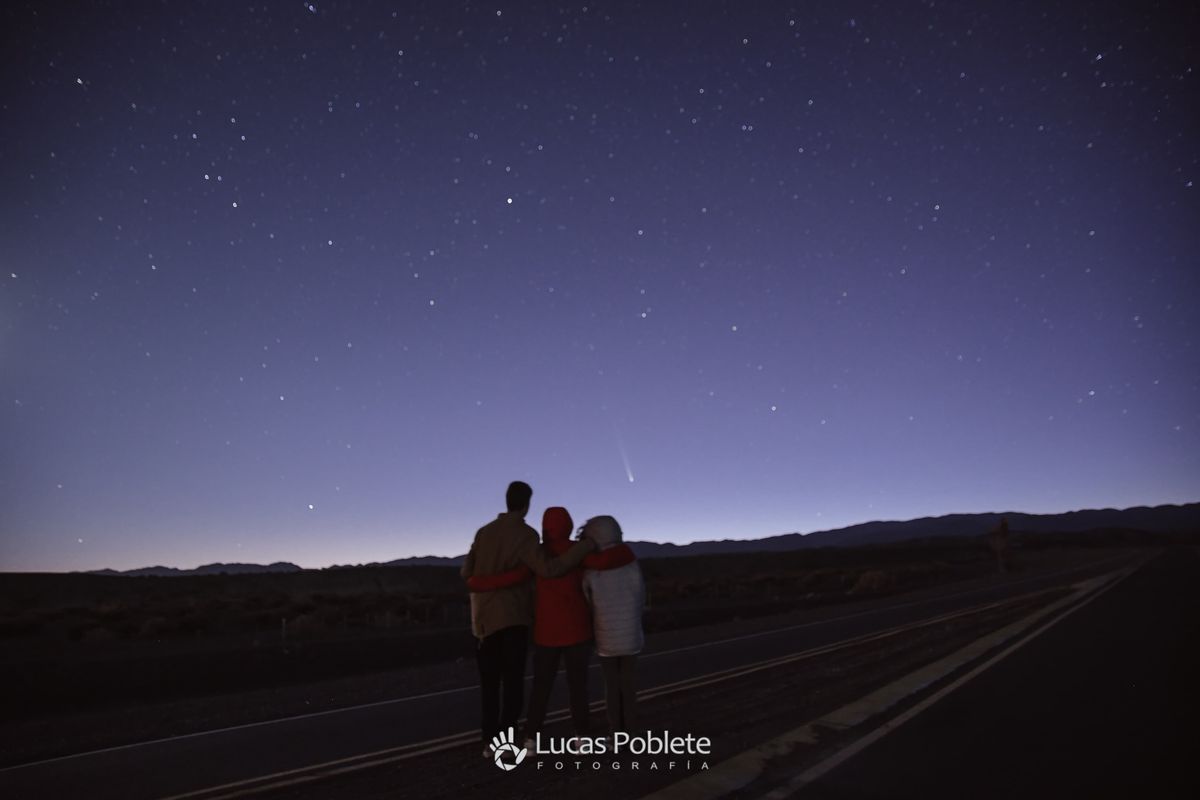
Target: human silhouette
618, 598
501, 619
562, 622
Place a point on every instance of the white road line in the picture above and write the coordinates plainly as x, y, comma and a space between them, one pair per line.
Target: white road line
818, 770
246, 726
475, 687
307, 774
741, 770
362, 761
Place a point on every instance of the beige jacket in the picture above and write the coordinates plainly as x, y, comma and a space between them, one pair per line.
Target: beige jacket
503, 544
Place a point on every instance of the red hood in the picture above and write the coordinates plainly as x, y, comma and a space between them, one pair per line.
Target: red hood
556, 529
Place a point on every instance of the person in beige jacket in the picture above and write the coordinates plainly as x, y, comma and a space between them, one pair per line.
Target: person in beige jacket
501, 618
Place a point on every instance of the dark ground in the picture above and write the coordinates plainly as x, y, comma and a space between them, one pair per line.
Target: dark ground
742, 712
191, 653
1159, 623
77, 642
1102, 705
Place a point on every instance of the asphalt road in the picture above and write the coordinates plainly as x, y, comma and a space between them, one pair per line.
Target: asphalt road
187, 763
1103, 704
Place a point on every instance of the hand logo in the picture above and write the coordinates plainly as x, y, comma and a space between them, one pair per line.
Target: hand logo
506, 742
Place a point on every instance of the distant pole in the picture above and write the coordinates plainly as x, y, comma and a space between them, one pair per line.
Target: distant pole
283, 630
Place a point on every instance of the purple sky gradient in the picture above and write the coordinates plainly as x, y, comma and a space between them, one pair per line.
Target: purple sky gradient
313, 282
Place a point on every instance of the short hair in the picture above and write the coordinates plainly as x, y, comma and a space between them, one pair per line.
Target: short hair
518, 495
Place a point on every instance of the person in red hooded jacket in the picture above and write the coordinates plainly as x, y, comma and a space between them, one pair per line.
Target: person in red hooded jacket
562, 621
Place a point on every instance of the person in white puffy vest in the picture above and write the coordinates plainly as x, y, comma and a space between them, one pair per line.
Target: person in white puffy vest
617, 597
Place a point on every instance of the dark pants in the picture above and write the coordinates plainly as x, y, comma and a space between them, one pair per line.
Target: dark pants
620, 694
545, 669
501, 658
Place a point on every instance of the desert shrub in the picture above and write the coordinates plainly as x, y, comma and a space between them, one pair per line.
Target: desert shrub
110, 608
96, 634
266, 619
873, 581
822, 580
308, 624
20, 624
192, 624
154, 628
917, 574
300, 607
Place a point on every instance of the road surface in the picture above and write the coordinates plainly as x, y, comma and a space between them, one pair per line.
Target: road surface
1102, 705
189, 763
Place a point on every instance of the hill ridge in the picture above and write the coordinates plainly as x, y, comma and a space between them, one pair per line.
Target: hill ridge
1152, 519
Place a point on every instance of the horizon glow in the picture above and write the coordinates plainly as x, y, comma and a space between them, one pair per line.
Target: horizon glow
313, 284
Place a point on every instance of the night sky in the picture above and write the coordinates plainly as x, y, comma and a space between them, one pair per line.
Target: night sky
314, 282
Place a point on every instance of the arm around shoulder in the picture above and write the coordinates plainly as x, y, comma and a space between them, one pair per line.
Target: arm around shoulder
502, 580
534, 557
611, 558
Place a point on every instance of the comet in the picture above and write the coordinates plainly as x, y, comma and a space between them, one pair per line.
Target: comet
625, 461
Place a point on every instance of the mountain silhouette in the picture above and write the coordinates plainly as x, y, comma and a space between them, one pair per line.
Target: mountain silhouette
204, 569
1156, 519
